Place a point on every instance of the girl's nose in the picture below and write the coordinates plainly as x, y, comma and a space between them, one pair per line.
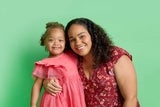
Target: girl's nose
55, 42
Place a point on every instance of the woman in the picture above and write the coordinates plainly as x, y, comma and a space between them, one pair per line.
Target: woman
107, 72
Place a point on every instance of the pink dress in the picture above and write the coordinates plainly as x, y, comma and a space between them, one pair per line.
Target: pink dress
101, 89
63, 67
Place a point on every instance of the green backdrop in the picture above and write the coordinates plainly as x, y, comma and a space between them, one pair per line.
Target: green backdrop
133, 25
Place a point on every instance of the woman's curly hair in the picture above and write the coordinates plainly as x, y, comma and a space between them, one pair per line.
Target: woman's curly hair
101, 43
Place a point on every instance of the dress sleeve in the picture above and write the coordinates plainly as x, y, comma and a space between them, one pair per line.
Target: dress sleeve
39, 71
117, 52
46, 71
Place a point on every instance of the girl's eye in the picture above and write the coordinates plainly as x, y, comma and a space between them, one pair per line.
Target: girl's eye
50, 40
61, 40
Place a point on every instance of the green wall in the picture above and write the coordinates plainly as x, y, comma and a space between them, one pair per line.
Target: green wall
133, 25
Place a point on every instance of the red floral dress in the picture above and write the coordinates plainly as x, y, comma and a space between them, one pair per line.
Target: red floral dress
101, 89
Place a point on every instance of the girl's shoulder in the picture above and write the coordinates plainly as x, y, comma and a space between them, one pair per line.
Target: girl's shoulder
43, 61
70, 53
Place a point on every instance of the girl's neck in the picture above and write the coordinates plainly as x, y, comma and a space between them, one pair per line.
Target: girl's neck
54, 56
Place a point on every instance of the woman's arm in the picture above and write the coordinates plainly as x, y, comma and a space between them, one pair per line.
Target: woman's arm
127, 81
36, 89
52, 86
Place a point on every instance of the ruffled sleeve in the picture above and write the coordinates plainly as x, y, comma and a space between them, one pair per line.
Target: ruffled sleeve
44, 70
117, 52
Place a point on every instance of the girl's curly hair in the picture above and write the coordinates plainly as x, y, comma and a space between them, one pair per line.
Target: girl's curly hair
49, 26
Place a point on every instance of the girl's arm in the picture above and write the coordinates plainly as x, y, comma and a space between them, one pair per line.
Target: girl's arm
127, 81
36, 89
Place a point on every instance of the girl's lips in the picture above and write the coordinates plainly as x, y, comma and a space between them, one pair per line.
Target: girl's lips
56, 48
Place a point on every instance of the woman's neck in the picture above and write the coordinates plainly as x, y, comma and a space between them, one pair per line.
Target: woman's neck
87, 59
87, 64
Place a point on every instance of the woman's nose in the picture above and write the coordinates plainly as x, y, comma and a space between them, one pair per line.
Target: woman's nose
78, 41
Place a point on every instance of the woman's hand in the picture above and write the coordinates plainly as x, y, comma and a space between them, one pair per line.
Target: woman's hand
52, 86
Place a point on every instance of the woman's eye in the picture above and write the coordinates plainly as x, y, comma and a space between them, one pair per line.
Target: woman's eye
71, 40
81, 36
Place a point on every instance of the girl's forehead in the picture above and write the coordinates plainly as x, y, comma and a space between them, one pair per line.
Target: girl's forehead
55, 32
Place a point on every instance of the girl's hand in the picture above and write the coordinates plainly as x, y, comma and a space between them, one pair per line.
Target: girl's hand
52, 86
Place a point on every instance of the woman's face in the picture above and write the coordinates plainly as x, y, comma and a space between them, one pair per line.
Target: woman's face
80, 39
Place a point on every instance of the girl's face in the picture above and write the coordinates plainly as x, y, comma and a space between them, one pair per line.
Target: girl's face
80, 40
55, 42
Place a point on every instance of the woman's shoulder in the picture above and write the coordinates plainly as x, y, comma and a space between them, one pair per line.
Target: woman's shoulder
117, 52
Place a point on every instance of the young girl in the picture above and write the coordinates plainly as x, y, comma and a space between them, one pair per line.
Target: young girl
60, 65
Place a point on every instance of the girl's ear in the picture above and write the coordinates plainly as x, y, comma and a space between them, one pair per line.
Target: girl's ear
46, 49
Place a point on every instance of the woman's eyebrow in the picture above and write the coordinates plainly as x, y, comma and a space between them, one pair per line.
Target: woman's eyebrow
81, 33
77, 34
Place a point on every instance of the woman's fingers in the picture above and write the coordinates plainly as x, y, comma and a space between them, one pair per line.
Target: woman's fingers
56, 84
52, 86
